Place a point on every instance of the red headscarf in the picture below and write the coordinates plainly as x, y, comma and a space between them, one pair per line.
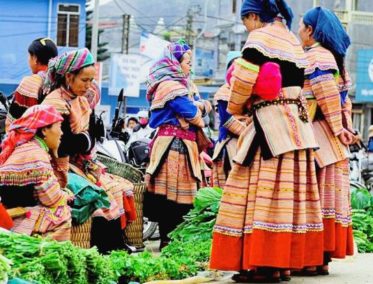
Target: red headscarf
24, 129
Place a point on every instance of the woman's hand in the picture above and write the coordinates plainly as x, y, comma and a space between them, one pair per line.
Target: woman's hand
346, 137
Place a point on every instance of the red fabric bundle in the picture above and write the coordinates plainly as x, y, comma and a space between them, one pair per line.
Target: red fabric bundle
130, 211
269, 82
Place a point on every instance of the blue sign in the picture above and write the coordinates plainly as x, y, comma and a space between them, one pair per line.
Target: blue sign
364, 76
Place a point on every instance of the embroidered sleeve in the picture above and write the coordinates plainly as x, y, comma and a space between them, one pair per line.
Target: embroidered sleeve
242, 83
347, 115
325, 90
183, 107
235, 126
50, 193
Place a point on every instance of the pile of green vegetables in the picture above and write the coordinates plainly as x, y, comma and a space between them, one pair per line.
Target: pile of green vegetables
46, 261
4, 269
362, 218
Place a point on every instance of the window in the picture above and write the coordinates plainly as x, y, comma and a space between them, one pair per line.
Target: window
68, 25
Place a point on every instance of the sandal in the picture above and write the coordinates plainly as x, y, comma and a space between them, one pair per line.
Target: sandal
323, 270
305, 272
285, 275
258, 276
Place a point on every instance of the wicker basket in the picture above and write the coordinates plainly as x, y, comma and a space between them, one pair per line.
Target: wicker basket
134, 230
81, 234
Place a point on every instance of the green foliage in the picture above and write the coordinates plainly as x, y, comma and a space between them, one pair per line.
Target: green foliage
362, 218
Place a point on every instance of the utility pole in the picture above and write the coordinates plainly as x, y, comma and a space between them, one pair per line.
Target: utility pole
189, 26
125, 33
94, 40
125, 50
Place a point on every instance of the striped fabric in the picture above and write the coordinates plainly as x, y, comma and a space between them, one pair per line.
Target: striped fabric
76, 107
242, 82
167, 91
224, 152
275, 41
174, 177
116, 188
30, 86
160, 151
334, 186
270, 213
235, 126
328, 99
30, 164
272, 202
331, 158
319, 58
323, 95
218, 175
222, 94
347, 115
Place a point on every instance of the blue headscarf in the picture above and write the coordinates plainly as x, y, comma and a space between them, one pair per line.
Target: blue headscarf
328, 30
268, 10
230, 56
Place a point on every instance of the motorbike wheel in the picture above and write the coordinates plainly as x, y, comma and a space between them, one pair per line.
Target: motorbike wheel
149, 228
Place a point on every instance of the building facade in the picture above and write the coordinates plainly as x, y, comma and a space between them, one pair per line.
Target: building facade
22, 21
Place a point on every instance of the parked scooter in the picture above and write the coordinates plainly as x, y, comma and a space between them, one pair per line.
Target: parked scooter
110, 144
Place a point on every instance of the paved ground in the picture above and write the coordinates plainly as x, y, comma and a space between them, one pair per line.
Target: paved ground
353, 270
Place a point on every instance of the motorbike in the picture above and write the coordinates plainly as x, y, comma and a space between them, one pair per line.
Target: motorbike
111, 143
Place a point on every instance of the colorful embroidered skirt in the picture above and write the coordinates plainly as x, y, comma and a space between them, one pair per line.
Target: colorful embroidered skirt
270, 215
334, 186
174, 177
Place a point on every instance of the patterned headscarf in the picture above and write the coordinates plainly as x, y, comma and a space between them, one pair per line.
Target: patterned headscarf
328, 30
24, 129
66, 63
167, 68
268, 10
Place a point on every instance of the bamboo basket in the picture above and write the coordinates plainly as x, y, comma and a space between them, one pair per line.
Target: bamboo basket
134, 230
81, 234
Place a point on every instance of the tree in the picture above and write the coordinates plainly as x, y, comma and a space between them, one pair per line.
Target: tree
102, 51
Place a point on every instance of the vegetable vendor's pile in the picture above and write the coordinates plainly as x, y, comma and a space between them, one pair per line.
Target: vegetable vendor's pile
48, 261
362, 218
4, 269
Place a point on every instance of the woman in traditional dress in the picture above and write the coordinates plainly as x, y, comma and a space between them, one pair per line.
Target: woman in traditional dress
230, 128
28, 93
326, 89
270, 217
174, 171
27, 178
69, 89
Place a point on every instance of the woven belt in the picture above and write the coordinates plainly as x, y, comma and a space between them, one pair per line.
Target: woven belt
303, 115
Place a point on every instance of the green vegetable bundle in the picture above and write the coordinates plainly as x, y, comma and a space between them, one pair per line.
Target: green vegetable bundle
199, 222
362, 218
4, 268
46, 261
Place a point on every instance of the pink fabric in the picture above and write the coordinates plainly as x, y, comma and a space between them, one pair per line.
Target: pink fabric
228, 75
24, 129
269, 82
171, 130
